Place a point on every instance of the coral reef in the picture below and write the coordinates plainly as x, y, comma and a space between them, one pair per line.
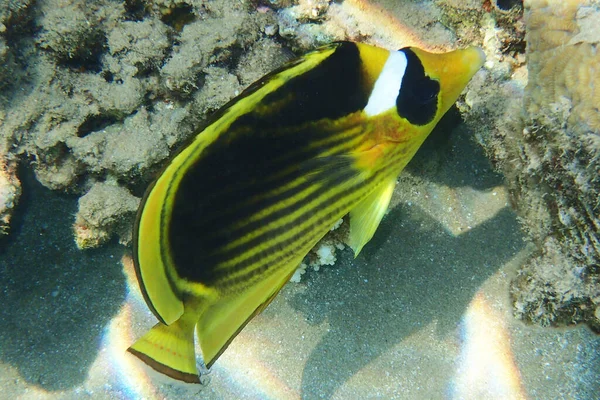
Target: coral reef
106, 91
546, 142
561, 154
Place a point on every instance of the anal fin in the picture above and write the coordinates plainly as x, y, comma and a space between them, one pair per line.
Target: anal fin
220, 323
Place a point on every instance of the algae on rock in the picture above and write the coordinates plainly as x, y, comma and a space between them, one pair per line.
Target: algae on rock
106, 209
547, 144
104, 92
561, 149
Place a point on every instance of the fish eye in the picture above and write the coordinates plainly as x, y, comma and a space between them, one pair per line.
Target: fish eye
418, 95
426, 91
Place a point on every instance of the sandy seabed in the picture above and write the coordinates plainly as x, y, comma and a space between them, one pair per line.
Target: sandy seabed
422, 313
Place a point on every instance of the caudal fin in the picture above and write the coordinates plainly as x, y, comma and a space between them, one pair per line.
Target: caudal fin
169, 349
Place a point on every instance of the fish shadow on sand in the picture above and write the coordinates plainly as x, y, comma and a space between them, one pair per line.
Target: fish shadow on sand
412, 274
56, 300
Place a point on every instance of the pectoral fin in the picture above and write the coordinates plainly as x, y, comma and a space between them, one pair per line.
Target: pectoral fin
366, 216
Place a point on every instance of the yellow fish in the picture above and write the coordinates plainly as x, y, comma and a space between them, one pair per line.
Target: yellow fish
233, 214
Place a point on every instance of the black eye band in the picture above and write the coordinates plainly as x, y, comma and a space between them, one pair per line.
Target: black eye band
417, 99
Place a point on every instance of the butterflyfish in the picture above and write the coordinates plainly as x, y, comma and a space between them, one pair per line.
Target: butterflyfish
234, 212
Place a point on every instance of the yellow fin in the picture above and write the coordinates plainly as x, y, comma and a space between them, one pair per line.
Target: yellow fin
148, 255
366, 216
169, 349
224, 319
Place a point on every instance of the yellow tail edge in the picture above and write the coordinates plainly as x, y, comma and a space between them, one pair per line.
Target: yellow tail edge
169, 349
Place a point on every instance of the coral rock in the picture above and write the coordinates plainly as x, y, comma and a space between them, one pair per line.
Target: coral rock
104, 209
560, 161
10, 190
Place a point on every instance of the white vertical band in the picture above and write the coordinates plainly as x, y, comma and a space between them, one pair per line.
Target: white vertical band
387, 87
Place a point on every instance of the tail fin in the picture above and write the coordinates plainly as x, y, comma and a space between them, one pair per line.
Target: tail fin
169, 349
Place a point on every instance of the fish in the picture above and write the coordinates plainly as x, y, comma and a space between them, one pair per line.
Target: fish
234, 211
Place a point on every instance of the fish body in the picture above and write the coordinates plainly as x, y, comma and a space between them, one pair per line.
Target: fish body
233, 214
